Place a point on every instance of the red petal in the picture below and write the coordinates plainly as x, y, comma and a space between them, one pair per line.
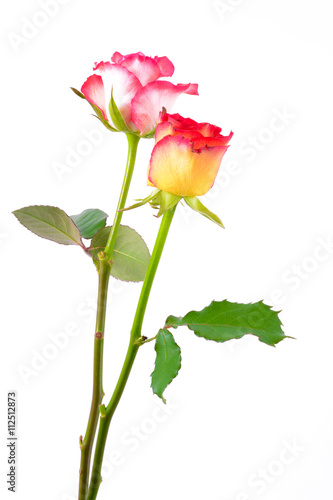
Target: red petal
210, 142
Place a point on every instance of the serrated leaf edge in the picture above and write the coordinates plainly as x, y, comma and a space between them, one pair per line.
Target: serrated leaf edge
102, 248
173, 375
44, 238
190, 327
87, 209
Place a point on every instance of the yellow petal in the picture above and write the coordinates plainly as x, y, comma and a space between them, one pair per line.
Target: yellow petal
178, 169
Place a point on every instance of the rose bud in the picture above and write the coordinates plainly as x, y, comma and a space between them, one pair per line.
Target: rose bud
187, 156
184, 164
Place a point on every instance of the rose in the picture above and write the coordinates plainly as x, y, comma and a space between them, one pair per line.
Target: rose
184, 164
137, 94
187, 155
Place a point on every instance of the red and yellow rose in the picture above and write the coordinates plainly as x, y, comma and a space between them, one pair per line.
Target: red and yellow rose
187, 155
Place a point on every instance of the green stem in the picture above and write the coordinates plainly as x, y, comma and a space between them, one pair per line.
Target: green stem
105, 263
133, 348
98, 393
133, 141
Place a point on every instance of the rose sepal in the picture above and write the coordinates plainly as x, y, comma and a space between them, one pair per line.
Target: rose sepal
117, 117
158, 199
149, 199
150, 135
78, 93
99, 114
196, 205
165, 201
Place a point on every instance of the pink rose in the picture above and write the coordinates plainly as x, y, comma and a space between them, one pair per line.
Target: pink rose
137, 92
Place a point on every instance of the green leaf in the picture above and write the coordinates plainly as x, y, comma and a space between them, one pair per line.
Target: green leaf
89, 221
167, 363
51, 223
130, 256
116, 116
194, 203
173, 321
222, 321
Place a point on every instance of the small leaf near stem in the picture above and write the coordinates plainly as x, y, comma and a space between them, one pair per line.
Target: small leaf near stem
89, 221
167, 363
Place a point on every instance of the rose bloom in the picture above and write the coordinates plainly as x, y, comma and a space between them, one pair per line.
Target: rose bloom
137, 90
187, 155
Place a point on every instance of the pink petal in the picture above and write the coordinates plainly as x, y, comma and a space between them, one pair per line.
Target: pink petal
117, 57
125, 86
166, 66
192, 88
149, 101
146, 69
102, 66
93, 90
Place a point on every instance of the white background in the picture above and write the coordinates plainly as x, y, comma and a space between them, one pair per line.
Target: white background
237, 408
